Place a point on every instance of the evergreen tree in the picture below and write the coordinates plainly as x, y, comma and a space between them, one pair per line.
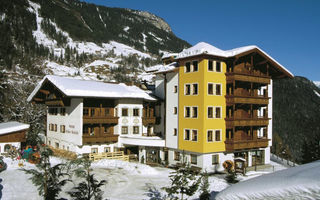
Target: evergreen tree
49, 180
184, 181
90, 188
204, 187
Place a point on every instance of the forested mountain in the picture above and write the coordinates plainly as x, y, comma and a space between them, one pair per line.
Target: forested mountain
296, 121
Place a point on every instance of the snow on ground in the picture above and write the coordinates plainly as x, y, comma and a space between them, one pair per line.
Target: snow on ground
125, 180
301, 182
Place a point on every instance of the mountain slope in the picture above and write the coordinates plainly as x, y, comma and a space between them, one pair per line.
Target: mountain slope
296, 121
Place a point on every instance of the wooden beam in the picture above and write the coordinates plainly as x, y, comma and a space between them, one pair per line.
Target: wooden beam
38, 99
262, 62
44, 91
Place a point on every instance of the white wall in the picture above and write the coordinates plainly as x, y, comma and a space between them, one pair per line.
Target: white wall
73, 126
15, 144
87, 148
171, 118
159, 91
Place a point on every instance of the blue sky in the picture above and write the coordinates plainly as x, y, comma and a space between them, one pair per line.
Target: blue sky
288, 30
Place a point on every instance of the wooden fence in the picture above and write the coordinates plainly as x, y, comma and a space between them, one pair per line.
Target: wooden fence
109, 155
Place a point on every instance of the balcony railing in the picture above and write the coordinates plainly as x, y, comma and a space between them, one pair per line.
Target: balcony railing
232, 99
247, 77
232, 145
99, 115
86, 139
148, 121
254, 121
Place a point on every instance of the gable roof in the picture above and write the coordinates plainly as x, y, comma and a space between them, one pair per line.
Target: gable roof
72, 87
207, 49
13, 126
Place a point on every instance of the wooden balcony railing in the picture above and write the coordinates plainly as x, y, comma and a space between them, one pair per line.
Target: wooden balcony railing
99, 115
256, 121
247, 77
86, 139
148, 121
232, 99
232, 145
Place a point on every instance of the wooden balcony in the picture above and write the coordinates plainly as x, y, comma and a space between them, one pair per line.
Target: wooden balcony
92, 115
247, 77
233, 99
232, 122
86, 139
148, 121
232, 145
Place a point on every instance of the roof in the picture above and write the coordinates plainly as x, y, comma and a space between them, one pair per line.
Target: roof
205, 48
72, 87
13, 126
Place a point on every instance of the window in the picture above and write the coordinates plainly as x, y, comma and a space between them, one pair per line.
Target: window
94, 150
193, 159
175, 132
106, 112
85, 112
218, 136
209, 136
62, 128
92, 112
210, 112
53, 111
55, 127
175, 110
188, 67
186, 134
187, 89
63, 111
215, 159
136, 112
136, 130
194, 135
210, 65
187, 112
106, 128
57, 145
210, 88
218, 66
195, 65
176, 156
194, 112
175, 89
124, 130
107, 149
195, 88
85, 130
218, 112
124, 112
218, 89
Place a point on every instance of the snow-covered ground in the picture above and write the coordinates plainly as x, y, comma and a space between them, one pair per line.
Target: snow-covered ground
125, 180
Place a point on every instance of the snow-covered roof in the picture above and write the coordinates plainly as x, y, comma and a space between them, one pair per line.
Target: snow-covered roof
82, 88
9, 127
302, 181
169, 55
205, 48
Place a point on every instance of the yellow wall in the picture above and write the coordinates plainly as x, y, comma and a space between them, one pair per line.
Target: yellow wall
202, 100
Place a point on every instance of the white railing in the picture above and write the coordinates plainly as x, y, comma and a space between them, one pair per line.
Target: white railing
109, 155
282, 161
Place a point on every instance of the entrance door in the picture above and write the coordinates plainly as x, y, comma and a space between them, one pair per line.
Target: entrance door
152, 156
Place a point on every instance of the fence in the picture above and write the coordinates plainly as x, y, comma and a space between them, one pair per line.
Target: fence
282, 161
109, 155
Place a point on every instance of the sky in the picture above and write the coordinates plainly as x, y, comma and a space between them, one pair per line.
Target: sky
288, 30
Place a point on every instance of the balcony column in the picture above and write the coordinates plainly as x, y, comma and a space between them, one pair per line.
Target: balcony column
267, 69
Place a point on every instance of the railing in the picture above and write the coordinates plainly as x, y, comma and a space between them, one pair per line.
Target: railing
232, 145
148, 120
230, 99
282, 161
99, 139
247, 77
230, 122
109, 155
99, 115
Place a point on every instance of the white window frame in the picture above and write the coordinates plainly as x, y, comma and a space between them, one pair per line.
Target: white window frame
185, 111
220, 135
185, 67
191, 139
212, 135
214, 116
184, 134
185, 89
191, 63
192, 107
192, 89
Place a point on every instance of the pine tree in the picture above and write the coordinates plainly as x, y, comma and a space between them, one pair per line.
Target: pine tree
49, 180
90, 188
204, 187
184, 181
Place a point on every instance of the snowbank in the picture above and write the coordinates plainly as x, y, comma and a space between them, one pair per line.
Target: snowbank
300, 182
132, 168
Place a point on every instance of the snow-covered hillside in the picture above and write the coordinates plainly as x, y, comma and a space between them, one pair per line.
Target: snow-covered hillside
317, 83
